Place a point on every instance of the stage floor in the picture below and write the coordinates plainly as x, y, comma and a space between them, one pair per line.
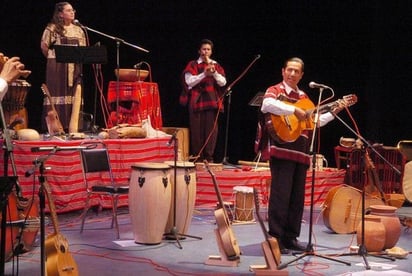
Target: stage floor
96, 252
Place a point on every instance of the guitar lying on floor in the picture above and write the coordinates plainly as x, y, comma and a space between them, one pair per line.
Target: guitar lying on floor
287, 128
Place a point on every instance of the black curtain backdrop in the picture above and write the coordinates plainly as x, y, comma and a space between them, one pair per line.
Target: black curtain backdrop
360, 47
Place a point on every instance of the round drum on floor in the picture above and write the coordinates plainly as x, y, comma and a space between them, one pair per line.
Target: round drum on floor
149, 201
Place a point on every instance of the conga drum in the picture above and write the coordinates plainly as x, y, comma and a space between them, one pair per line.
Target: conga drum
13, 104
185, 189
149, 201
244, 203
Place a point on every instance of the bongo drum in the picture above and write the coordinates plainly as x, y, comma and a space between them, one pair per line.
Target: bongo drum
185, 188
149, 201
243, 203
14, 101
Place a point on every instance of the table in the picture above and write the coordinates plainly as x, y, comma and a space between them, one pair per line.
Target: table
229, 178
65, 177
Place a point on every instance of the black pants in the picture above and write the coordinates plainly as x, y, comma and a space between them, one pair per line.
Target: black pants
287, 198
203, 134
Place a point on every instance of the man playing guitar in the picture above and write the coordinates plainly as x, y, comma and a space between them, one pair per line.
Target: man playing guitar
289, 160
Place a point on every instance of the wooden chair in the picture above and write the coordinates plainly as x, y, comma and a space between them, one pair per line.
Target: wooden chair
96, 165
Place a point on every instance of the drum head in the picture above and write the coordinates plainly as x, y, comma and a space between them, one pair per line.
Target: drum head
180, 164
150, 166
243, 189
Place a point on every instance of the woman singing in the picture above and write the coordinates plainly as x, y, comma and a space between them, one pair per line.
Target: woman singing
63, 79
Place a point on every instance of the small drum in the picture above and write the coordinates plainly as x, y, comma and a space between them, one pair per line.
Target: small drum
14, 101
244, 204
185, 189
149, 201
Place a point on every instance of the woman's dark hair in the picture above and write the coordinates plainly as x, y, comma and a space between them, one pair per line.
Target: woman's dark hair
56, 19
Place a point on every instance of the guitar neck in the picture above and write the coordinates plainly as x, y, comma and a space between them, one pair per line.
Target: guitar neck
217, 190
51, 206
257, 206
46, 92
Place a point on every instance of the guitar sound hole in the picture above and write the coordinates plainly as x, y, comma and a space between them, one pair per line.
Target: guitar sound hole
62, 249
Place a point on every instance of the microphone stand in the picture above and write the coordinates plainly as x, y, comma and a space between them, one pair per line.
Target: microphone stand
118, 42
39, 162
362, 251
228, 93
174, 231
309, 248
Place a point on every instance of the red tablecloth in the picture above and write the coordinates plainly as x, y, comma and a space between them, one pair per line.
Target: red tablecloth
65, 176
228, 179
137, 101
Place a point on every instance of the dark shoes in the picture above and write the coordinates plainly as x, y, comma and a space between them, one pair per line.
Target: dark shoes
283, 249
288, 246
294, 245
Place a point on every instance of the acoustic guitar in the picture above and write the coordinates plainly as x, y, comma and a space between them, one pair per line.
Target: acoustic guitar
271, 242
230, 245
59, 261
54, 126
287, 128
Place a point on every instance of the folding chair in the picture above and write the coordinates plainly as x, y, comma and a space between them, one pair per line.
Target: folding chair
96, 164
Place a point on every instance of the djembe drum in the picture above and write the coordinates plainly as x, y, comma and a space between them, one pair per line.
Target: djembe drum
13, 104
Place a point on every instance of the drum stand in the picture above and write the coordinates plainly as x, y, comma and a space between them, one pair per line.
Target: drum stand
309, 248
362, 251
174, 232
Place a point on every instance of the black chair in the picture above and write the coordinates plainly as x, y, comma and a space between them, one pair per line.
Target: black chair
96, 162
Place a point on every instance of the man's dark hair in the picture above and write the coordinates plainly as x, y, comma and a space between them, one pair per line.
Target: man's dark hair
295, 59
206, 41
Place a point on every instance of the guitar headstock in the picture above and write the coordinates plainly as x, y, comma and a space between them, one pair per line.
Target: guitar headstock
349, 100
346, 101
208, 168
45, 90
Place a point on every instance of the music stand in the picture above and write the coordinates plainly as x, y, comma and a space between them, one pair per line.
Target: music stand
257, 99
81, 54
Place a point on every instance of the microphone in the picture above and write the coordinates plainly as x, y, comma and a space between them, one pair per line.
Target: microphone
77, 23
172, 138
313, 84
138, 65
29, 172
